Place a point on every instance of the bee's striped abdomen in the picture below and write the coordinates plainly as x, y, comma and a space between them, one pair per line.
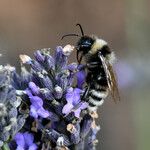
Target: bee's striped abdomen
96, 98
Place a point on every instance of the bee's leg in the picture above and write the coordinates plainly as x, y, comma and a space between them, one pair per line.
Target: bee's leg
85, 94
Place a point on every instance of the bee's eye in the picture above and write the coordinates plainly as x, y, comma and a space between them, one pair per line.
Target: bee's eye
105, 50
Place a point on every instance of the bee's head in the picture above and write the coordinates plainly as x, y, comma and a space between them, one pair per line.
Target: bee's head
83, 46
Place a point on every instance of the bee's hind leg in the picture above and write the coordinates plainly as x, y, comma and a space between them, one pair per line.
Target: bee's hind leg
85, 94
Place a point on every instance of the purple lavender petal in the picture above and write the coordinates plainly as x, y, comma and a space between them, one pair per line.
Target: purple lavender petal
69, 95
72, 67
20, 148
76, 96
42, 112
28, 92
67, 108
36, 101
28, 137
81, 76
84, 105
19, 138
33, 147
47, 83
77, 112
34, 88
73, 96
33, 112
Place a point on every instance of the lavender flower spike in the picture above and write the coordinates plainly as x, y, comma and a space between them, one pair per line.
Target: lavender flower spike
10, 119
50, 95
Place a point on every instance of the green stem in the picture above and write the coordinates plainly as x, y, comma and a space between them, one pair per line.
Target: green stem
5, 147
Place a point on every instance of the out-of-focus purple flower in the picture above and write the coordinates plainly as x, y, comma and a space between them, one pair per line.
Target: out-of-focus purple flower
24, 141
20, 82
36, 108
10, 119
73, 99
125, 74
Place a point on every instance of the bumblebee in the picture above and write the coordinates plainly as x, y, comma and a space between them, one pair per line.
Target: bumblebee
100, 78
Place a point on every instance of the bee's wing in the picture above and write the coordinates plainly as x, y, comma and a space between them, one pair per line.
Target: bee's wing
107, 72
111, 80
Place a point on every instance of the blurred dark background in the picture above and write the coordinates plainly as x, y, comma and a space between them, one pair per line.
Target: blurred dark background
28, 25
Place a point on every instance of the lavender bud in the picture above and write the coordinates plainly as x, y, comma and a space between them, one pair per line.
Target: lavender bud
3, 110
53, 116
86, 125
17, 102
54, 135
13, 112
63, 83
49, 62
75, 133
46, 94
4, 136
60, 59
47, 83
36, 66
20, 122
39, 57
58, 92
13, 130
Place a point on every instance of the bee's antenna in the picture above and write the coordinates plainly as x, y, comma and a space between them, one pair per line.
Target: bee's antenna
69, 35
80, 28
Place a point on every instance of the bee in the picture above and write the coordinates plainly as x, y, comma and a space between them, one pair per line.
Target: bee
100, 78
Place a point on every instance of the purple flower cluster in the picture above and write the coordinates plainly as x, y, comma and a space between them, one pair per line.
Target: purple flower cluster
24, 141
50, 93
